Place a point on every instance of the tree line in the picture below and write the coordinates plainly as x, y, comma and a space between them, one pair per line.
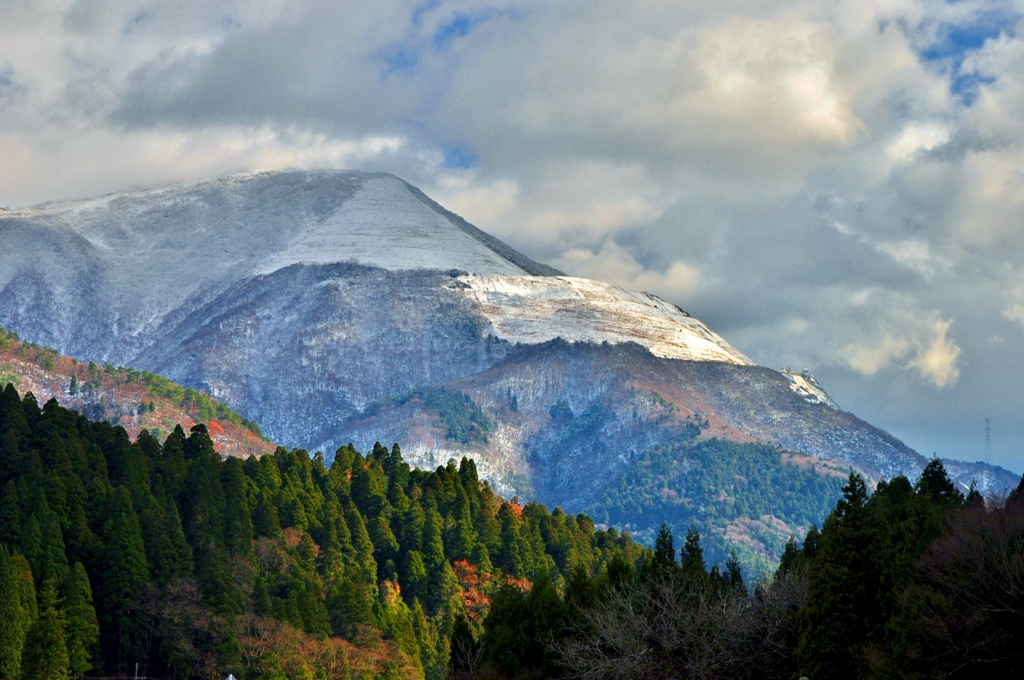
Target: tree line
115, 553
912, 580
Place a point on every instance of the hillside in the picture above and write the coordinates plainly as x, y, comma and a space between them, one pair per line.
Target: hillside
336, 306
192, 565
131, 399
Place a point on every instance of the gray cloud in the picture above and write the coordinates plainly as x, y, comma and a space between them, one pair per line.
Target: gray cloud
832, 185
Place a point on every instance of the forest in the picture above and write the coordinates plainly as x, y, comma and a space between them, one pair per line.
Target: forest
726, 490
162, 560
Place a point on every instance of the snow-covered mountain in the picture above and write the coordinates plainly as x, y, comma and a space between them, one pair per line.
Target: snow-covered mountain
142, 257
318, 303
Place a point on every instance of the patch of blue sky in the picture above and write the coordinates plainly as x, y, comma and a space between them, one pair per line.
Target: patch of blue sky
459, 27
422, 9
967, 85
404, 56
954, 41
458, 157
400, 58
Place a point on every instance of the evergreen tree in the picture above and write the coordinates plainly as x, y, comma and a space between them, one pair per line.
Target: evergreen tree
124, 578
692, 556
350, 604
974, 498
937, 485
45, 655
14, 620
83, 630
431, 644
733, 575
265, 520
238, 530
10, 515
664, 552
790, 557
843, 588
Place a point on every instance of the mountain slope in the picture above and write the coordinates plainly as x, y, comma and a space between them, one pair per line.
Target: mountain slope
323, 304
121, 396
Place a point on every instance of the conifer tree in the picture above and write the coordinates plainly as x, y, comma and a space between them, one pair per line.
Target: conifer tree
790, 556
414, 575
974, 499
692, 555
45, 654
14, 620
238, 531
350, 604
664, 552
83, 630
733, 575
10, 514
265, 520
167, 552
384, 542
126, 574
937, 485
843, 588
82, 544
25, 584
172, 466
463, 535
363, 546
430, 643
464, 647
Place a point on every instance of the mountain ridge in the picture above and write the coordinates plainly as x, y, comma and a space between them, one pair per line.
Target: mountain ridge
134, 400
303, 298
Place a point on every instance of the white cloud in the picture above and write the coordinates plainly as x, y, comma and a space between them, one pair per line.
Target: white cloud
871, 358
1014, 312
937, 361
917, 137
696, 150
614, 264
902, 334
914, 254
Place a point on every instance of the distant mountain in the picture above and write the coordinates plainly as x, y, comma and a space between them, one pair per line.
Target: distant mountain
126, 397
336, 306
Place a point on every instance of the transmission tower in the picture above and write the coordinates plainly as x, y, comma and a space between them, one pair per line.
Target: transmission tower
988, 441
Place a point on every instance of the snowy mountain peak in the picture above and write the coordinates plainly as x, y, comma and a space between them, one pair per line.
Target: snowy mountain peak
383, 224
270, 220
148, 258
531, 310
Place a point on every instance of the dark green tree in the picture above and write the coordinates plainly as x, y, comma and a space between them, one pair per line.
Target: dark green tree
83, 631
125, 575
692, 555
45, 655
843, 589
14, 620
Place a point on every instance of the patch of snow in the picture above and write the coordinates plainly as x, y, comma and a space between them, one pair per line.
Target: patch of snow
384, 225
535, 309
806, 385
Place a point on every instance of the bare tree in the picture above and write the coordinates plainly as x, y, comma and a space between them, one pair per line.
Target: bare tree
686, 628
969, 610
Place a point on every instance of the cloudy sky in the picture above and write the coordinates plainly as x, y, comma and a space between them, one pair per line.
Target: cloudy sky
836, 184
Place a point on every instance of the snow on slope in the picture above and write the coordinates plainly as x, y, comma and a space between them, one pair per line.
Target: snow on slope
384, 225
139, 258
532, 310
806, 385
